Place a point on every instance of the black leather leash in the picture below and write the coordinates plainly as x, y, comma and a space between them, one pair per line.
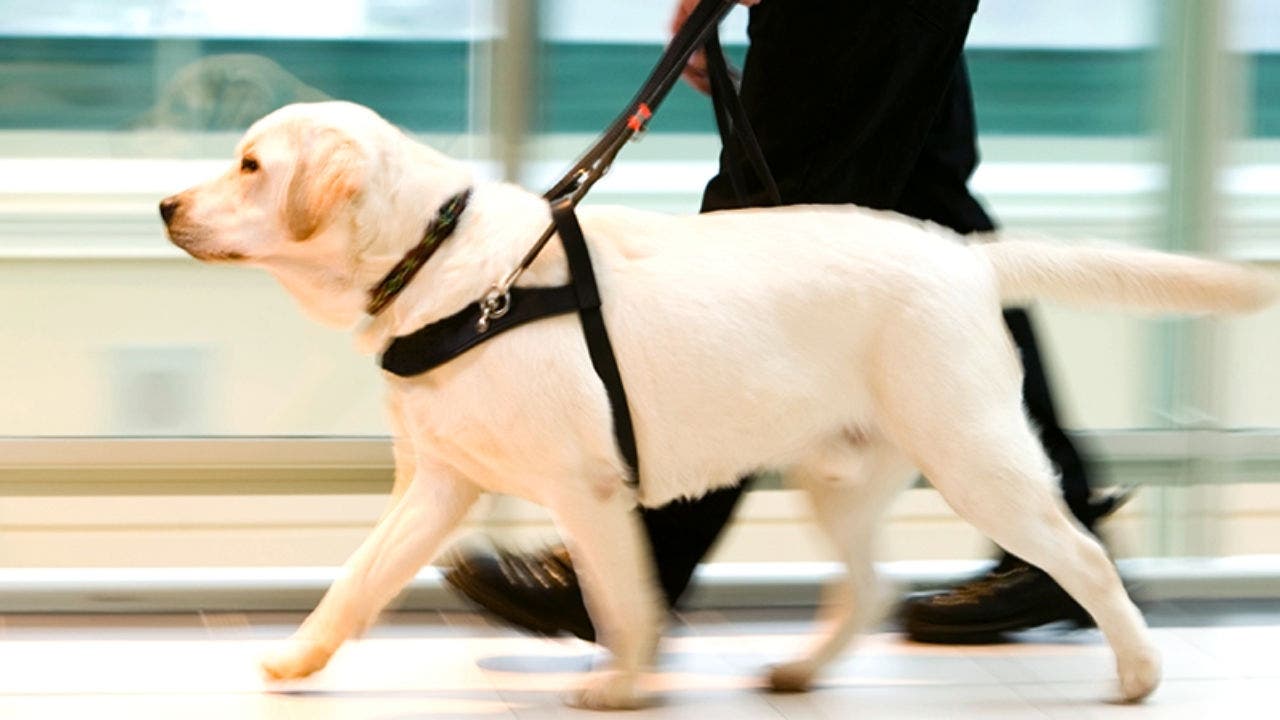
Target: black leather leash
506, 306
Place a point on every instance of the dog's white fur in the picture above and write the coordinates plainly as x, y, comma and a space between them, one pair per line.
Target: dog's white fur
842, 346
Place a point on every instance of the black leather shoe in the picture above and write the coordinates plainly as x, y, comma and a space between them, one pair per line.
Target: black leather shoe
538, 592
1011, 596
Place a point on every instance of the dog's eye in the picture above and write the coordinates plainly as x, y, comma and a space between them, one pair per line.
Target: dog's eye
248, 165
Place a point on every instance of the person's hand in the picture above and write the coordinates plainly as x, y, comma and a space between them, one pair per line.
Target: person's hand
695, 72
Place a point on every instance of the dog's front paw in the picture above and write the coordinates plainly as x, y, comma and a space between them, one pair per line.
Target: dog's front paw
295, 658
790, 677
608, 690
1139, 675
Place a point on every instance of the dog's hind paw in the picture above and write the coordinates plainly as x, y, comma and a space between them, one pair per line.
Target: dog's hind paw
295, 658
608, 690
790, 677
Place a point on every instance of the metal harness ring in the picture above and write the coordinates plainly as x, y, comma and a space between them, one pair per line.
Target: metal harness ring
493, 306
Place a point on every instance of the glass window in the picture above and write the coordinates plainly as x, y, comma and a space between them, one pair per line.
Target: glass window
1092, 126
107, 107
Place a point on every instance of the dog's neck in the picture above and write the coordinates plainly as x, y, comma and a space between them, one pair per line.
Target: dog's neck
438, 230
396, 209
500, 224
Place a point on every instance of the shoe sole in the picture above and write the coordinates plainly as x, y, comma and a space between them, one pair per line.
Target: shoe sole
988, 633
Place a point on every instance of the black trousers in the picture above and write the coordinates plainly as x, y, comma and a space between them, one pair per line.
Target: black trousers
865, 102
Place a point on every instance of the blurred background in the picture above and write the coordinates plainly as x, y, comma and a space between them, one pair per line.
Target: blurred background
158, 413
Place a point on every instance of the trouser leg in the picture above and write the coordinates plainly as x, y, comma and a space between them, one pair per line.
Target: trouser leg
842, 120
937, 190
682, 532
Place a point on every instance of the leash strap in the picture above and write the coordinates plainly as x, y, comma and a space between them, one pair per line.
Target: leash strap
702, 22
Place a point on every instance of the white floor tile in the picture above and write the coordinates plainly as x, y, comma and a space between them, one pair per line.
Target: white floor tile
1174, 700
906, 700
458, 665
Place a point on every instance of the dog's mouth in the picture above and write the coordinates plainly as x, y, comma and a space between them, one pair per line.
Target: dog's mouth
220, 256
191, 237
192, 245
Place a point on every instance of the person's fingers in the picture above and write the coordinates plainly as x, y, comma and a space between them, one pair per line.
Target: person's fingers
683, 9
695, 72
701, 83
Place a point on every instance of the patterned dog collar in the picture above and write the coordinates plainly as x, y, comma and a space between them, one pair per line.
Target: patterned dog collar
438, 230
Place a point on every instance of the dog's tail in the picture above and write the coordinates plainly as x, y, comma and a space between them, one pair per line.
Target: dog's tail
1139, 279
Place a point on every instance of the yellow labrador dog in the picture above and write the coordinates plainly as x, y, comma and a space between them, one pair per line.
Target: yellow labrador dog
844, 347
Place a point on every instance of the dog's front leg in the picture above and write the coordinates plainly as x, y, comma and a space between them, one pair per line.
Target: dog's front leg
402, 450
405, 539
613, 561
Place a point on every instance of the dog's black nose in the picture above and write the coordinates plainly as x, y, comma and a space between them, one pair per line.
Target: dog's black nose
168, 207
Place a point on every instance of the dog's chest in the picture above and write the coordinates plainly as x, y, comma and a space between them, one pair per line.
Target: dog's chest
460, 438
505, 436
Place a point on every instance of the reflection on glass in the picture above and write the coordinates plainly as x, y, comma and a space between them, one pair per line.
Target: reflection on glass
105, 107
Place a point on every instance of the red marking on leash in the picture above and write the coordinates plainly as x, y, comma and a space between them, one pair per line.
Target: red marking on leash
637, 121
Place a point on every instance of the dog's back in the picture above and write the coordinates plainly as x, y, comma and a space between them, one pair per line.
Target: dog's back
790, 307
787, 305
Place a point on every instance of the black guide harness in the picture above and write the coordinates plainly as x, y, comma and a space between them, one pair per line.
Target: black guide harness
506, 306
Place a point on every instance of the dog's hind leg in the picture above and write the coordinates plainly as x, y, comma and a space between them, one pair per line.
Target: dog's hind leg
1024, 514
848, 501
961, 419
403, 541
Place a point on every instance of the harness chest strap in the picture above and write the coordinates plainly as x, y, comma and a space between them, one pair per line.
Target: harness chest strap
446, 339
583, 280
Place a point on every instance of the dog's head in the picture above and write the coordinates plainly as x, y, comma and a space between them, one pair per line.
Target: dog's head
311, 196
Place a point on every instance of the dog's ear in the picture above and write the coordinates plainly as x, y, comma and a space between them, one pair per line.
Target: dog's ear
329, 172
